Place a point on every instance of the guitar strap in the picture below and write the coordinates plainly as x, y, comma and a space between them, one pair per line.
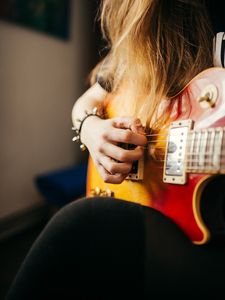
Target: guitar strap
219, 50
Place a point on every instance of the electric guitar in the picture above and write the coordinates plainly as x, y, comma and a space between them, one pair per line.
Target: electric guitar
183, 158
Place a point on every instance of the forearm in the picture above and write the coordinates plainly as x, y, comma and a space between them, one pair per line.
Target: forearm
93, 97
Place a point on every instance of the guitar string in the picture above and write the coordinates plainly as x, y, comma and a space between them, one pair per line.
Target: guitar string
163, 147
196, 170
194, 165
221, 156
187, 140
178, 134
191, 141
190, 132
197, 154
199, 171
199, 168
191, 161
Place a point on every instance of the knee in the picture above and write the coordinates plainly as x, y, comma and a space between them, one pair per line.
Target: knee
74, 215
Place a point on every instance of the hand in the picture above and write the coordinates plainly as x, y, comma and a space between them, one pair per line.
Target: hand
102, 137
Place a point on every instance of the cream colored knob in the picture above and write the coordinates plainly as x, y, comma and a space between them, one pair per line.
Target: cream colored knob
208, 96
109, 193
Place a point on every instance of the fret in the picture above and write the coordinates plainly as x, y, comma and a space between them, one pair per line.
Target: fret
202, 152
206, 151
211, 147
195, 150
198, 149
190, 149
221, 147
222, 163
217, 148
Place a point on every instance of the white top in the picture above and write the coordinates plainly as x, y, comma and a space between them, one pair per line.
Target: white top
219, 50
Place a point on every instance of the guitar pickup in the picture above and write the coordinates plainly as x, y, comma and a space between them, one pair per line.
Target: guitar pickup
137, 171
175, 154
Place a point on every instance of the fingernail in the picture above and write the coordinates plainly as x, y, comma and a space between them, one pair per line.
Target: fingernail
138, 122
141, 130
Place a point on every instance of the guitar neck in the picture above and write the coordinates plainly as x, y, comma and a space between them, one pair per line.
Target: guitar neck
193, 151
205, 151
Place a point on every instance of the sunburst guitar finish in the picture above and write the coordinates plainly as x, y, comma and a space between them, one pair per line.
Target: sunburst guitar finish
182, 158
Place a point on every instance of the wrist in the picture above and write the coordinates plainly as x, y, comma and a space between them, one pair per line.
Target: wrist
79, 128
88, 123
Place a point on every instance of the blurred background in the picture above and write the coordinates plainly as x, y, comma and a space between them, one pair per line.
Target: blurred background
47, 49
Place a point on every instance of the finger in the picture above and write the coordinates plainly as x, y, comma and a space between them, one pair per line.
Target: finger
138, 128
109, 178
121, 154
127, 136
131, 123
113, 167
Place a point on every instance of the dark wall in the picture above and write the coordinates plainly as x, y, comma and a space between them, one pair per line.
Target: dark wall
95, 32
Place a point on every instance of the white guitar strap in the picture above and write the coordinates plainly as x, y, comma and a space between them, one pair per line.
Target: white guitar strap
219, 50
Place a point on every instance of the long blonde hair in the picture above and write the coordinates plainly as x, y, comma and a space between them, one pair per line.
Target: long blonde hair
155, 48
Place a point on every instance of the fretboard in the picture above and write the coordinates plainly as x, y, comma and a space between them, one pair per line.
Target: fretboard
205, 151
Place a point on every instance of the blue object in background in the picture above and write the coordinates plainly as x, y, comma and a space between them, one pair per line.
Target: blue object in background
63, 186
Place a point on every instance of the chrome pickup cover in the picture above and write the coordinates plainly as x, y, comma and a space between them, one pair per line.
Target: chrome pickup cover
175, 154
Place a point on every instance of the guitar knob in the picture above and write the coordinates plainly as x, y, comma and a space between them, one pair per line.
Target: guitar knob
102, 193
109, 193
208, 96
96, 191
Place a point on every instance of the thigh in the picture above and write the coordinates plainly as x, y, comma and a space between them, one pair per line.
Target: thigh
91, 248
177, 267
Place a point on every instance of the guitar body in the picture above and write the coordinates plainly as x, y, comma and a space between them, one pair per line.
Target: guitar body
182, 203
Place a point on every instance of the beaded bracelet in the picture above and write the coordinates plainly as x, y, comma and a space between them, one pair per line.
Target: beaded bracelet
76, 138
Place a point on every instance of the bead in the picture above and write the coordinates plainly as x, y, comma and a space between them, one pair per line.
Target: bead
75, 139
95, 110
82, 147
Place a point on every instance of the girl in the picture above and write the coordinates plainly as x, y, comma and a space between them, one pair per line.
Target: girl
111, 249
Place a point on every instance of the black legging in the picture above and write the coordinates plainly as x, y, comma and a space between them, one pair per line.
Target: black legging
101, 248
